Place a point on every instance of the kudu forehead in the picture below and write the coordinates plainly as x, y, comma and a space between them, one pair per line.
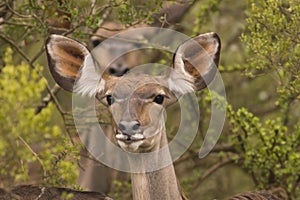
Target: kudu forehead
141, 85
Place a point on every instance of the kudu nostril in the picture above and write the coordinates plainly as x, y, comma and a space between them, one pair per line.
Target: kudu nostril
129, 128
118, 70
126, 70
112, 71
136, 126
122, 127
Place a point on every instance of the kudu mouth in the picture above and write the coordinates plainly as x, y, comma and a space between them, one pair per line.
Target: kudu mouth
129, 138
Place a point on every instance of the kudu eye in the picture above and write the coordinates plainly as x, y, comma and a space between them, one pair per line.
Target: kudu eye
109, 99
159, 99
96, 43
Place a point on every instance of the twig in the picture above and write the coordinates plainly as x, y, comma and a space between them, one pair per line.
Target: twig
53, 97
37, 55
295, 185
92, 10
35, 155
211, 170
18, 24
228, 148
223, 148
16, 13
47, 99
8, 40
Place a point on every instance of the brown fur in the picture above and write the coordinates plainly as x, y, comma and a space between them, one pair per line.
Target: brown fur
134, 101
261, 195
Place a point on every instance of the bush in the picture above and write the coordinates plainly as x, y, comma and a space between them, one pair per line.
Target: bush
29, 143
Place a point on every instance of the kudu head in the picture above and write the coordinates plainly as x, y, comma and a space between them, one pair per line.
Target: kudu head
136, 101
122, 64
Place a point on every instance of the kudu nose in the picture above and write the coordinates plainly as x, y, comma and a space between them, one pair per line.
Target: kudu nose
129, 128
118, 69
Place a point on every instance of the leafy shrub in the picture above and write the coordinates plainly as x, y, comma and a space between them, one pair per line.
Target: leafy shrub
29, 142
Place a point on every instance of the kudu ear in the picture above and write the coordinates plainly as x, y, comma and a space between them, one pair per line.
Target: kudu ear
65, 58
195, 63
69, 61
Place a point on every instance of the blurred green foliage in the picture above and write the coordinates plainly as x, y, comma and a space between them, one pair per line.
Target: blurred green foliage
29, 142
133, 12
260, 144
269, 148
273, 44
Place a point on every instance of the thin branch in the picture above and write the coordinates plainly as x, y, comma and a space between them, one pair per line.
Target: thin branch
92, 10
37, 55
35, 154
227, 148
56, 88
18, 24
211, 170
253, 175
47, 99
223, 148
295, 185
11, 42
16, 13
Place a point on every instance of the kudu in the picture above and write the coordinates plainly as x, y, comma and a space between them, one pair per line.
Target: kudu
138, 115
91, 170
30, 192
123, 64
259, 195
173, 12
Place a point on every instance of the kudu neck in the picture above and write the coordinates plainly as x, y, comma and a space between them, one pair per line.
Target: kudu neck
157, 184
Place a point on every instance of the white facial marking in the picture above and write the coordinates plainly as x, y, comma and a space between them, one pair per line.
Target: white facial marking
89, 82
120, 136
134, 137
132, 146
137, 136
180, 81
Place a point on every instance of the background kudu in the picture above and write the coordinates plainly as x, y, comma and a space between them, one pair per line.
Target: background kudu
92, 173
42, 193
